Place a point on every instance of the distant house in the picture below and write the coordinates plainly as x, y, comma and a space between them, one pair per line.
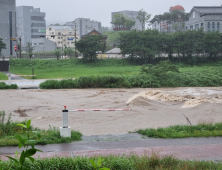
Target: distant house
207, 17
94, 32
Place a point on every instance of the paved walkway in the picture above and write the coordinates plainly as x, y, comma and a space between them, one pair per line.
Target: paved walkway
22, 82
188, 148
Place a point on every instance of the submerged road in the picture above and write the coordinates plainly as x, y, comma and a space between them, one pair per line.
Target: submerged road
186, 148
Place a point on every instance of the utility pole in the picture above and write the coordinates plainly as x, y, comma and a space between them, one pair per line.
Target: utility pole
20, 51
75, 40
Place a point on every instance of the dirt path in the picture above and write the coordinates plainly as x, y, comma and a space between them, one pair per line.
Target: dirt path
150, 107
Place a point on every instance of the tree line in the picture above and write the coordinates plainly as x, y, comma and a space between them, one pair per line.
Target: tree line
150, 44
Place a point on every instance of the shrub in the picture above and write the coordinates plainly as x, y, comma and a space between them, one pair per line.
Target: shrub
3, 85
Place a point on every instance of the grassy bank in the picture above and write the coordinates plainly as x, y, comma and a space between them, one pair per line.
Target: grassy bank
133, 162
8, 129
3, 76
183, 131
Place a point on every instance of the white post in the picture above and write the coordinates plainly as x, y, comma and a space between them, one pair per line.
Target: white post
65, 130
9, 78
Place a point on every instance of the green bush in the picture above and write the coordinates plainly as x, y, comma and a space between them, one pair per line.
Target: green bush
3, 85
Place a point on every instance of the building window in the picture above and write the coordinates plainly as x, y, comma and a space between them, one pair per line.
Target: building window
38, 24
35, 36
213, 26
37, 18
61, 37
208, 26
191, 27
58, 37
218, 26
68, 43
59, 33
70, 33
193, 14
197, 26
59, 42
186, 28
50, 29
35, 30
201, 25
40, 43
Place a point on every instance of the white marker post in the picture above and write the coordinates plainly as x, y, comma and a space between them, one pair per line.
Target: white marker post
65, 130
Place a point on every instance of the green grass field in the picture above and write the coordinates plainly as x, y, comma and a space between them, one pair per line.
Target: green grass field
77, 71
3, 76
56, 73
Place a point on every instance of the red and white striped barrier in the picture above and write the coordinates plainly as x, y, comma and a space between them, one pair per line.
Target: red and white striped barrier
10, 77
65, 130
96, 110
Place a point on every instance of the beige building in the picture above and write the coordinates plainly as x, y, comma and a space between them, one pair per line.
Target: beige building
62, 35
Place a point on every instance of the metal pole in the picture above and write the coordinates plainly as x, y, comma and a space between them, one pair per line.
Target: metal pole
75, 40
20, 52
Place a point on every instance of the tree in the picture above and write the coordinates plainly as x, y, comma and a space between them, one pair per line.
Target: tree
90, 46
57, 53
30, 49
143, 17
2, 45
176, 18
140, 44
122, 22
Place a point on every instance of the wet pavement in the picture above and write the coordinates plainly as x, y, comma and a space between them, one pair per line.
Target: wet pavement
23, 83
186, 148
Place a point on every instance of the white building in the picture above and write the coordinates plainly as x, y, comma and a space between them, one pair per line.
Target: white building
62, 35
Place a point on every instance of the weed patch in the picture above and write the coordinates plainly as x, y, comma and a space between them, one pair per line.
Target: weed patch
183, 131
8, 129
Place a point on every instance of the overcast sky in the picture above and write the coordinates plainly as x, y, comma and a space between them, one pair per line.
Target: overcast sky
60, 11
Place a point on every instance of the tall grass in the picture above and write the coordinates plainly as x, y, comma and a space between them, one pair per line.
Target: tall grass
9, 128
203, 129
132, 162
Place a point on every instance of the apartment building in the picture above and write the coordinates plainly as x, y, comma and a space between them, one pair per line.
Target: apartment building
84, 25
62, 35
131, 15
7, 26
30, 23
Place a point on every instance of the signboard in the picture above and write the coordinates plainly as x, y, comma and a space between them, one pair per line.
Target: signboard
13, 39
70, 39
42, 30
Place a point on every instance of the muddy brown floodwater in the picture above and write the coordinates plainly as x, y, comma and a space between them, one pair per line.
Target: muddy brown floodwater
151, 108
